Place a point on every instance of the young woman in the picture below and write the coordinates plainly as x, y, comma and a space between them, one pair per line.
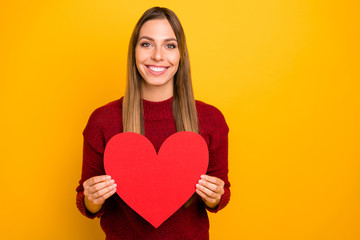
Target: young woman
158, 102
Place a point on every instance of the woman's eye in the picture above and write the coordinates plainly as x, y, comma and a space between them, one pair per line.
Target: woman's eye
171, 46
145, 44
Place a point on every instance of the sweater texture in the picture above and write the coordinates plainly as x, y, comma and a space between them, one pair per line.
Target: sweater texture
118, 220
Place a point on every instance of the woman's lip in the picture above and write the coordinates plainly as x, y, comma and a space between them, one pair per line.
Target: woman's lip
156, 70
155, 66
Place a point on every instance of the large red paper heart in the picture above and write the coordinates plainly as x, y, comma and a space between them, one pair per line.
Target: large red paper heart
156, 185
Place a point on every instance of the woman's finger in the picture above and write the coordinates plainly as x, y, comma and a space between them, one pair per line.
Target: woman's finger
100, 196
95, 180
207, 191
215, 188
103, 191
214, 180
205, 197
101, 185
102, 199
109, 194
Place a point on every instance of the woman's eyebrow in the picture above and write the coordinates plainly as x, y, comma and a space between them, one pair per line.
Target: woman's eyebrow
151, 39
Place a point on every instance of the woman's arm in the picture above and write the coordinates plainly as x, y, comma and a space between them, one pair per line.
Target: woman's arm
94, 186
214, 187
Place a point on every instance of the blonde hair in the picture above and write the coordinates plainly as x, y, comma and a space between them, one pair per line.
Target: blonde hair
183, 106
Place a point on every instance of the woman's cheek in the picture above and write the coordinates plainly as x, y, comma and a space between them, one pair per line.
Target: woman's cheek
174, 59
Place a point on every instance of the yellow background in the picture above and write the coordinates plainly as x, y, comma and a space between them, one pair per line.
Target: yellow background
285, 73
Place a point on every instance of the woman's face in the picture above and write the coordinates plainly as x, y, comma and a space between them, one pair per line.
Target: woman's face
157, 54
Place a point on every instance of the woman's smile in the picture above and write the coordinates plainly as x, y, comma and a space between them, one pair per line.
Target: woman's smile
156, 70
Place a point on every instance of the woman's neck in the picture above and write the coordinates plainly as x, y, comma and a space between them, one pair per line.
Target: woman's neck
157, 93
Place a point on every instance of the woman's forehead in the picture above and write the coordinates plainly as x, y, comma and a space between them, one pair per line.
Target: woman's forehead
157, 29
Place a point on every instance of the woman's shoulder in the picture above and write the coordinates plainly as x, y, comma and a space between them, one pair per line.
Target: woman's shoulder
212, 124
109, 108
207, 110
210, 116
115, 104
105, 114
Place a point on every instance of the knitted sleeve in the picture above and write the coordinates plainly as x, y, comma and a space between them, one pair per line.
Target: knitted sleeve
92, 165
218, 155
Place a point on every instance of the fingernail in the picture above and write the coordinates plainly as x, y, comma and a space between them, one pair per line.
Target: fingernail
108, 177
203, 176
112, 181
201, 181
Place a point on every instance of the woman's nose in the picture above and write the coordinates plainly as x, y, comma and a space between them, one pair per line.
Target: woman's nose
157, 54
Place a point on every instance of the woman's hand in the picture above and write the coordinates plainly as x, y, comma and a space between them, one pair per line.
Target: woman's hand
210, 189
97, 190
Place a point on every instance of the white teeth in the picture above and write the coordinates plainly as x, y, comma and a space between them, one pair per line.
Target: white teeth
157, 69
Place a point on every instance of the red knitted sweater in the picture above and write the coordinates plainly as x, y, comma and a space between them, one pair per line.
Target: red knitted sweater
118, 220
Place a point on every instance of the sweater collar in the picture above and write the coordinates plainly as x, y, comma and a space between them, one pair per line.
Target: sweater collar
158, 110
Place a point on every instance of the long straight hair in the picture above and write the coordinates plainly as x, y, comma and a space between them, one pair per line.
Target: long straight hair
183, 106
